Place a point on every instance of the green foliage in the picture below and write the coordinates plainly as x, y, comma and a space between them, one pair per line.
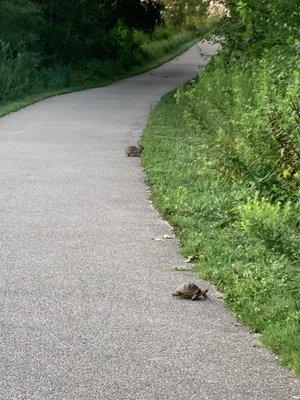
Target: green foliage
124, 42
255, 25
59, 75
157, 49
276, 225
250, 120
20, 24
21, 85
224, 167
183, 13
246, 244
54, 45
17, 72
142, 15
90, 29
243, 116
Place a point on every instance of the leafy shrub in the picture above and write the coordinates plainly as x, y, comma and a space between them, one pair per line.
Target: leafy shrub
275, 225
162, 32
21, 24
249, 119
255, 26
59, 76
45, 44
17, 72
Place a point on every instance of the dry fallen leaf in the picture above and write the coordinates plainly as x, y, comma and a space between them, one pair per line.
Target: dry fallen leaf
168, 236
237, 324
190, 259
163, 237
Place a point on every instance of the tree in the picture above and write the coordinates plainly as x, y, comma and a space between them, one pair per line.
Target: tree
20, 24
80, 29
182, 13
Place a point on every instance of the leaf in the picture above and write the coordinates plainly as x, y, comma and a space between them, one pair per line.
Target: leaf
287, 172
190, 259
168, 236
165, 236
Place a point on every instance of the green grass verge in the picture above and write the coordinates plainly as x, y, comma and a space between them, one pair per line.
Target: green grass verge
158, 52
159, 49
258, 283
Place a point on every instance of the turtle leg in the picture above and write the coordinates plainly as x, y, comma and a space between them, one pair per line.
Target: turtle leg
204, 293
195, 296
176, 294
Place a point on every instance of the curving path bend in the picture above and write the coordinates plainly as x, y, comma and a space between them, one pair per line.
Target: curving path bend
85, 306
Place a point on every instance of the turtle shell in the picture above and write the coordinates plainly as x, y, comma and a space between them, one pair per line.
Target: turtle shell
188, 289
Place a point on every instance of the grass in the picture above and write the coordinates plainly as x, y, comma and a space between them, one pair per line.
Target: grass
205, 208
158, 53
157, 50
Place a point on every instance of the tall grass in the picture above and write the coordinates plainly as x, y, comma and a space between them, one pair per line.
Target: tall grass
17, 73
159, 48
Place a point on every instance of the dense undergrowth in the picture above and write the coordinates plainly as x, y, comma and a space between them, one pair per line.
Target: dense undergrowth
48, 48
58, 79
224, 166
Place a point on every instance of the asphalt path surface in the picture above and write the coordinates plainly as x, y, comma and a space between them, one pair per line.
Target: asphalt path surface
85, 305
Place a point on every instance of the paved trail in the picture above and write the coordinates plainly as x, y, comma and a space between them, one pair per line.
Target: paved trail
85, 306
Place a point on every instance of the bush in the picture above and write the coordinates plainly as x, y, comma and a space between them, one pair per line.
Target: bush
249, 118
17, 72
59, 76
162, 32
275, 225
125, 46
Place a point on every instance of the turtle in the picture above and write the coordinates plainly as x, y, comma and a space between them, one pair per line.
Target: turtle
134, 151
190, 290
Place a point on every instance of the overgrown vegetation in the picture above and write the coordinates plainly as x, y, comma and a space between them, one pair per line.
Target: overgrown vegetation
50, 47
224, 166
